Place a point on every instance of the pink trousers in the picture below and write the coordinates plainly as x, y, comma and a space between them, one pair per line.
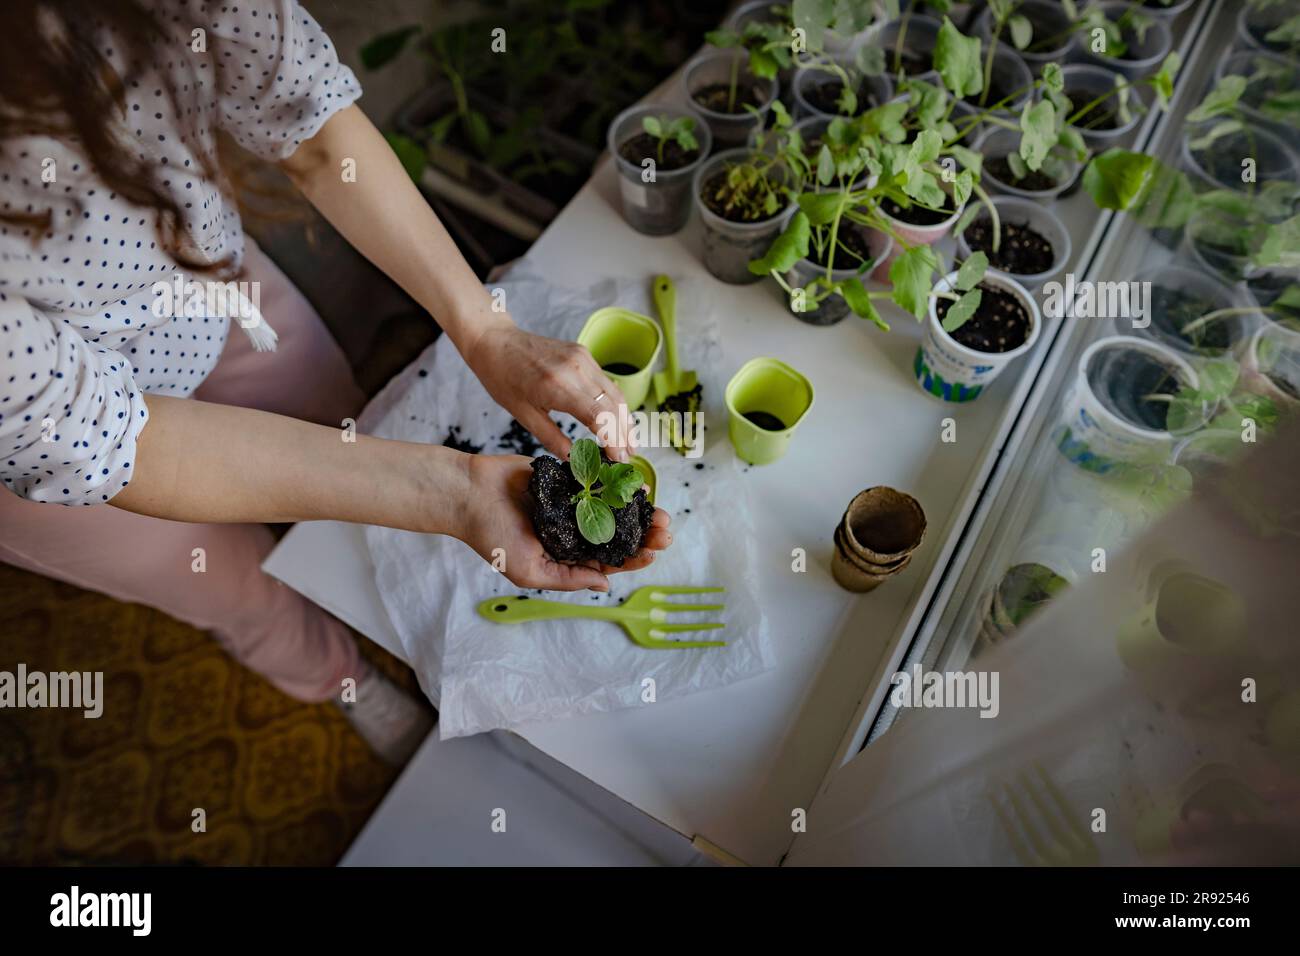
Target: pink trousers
262, 623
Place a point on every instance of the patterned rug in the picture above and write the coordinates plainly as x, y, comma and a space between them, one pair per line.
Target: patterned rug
184, 727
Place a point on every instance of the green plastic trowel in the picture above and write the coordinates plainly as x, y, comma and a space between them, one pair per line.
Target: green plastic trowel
676, 389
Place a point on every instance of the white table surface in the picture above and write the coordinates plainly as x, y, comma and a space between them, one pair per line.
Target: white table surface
731, 765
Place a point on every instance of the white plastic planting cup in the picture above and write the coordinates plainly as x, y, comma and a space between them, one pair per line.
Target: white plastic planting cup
729, 129
1151, 51
1044, 12
998, 141
661, 207
1095, 81
1037, 217
952, 372
834, 309
1096, 438
879, 88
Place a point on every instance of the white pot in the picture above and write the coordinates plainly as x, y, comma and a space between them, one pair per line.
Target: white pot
1042, 220
952, 372
1097, 438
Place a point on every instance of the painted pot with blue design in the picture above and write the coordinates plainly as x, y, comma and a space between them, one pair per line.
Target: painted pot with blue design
1127, 405
946, 364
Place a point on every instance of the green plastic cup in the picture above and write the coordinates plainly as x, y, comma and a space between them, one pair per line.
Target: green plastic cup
620, 337
765, 392
648, 473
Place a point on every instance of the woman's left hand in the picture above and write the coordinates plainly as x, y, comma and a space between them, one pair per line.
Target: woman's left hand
531, 376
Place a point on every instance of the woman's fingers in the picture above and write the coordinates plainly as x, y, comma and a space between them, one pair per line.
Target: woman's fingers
572, 577
597, 403
656, 539
544, 429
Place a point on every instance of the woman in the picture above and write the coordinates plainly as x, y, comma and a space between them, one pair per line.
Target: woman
167, 441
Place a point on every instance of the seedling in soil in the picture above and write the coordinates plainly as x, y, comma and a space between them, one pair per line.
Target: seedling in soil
605, 487
665, 130
589, 509
756, 188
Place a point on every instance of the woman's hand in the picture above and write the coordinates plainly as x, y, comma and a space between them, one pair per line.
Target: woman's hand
530, 376
498, 517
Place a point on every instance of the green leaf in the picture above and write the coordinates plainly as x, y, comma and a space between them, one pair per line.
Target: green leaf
618, 483
825, 166
1163, 81
1053, 78
652, 126
1022, 31
409, 153
1219, 101
1218, 379
957, 58
441, 127
1038, 132
911, 275
962, 187
961, 310
820, 208
584, 461
1281, 246
1216, 132
722, 38
855, 294
972, 271
595, 520
384, 48
787, 249
1116, 178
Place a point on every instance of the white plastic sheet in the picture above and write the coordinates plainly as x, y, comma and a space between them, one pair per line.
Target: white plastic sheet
484, 676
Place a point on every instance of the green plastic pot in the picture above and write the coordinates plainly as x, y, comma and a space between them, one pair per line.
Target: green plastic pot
771, 386
617, 336
648, 473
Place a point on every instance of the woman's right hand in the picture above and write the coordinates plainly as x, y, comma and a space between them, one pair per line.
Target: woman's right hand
497, 517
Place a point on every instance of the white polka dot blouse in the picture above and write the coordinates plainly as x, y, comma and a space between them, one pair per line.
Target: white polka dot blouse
80, 336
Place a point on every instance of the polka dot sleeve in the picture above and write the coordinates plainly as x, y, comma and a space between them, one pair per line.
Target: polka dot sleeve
70, 413
277, 73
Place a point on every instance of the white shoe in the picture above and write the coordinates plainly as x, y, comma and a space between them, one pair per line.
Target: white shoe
389, 719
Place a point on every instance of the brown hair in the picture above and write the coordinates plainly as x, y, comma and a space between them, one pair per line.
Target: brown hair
56, 80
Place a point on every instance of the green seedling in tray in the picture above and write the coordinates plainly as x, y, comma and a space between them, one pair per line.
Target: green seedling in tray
605, 487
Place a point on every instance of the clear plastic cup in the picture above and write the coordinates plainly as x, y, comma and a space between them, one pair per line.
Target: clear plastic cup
1049, 21
919, 36
834, 309
1095, 82
878, 89
1148, 53
658, 204
728, 246
997, 142
719, 68
1249, 63
1233, 329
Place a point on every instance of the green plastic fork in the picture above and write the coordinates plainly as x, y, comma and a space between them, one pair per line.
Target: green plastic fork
642, 615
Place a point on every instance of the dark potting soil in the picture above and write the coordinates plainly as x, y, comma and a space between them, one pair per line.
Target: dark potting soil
684, 402
644, 146
997, 91
1022, 251
1145, 407
1000, 324
913, 64
552, 487
710, 197
717, 97
453, 440
851, 250
620, 368
1035, 181
766, 421
1174, 309
914, 215
825, 96
518, 440
1100, 117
